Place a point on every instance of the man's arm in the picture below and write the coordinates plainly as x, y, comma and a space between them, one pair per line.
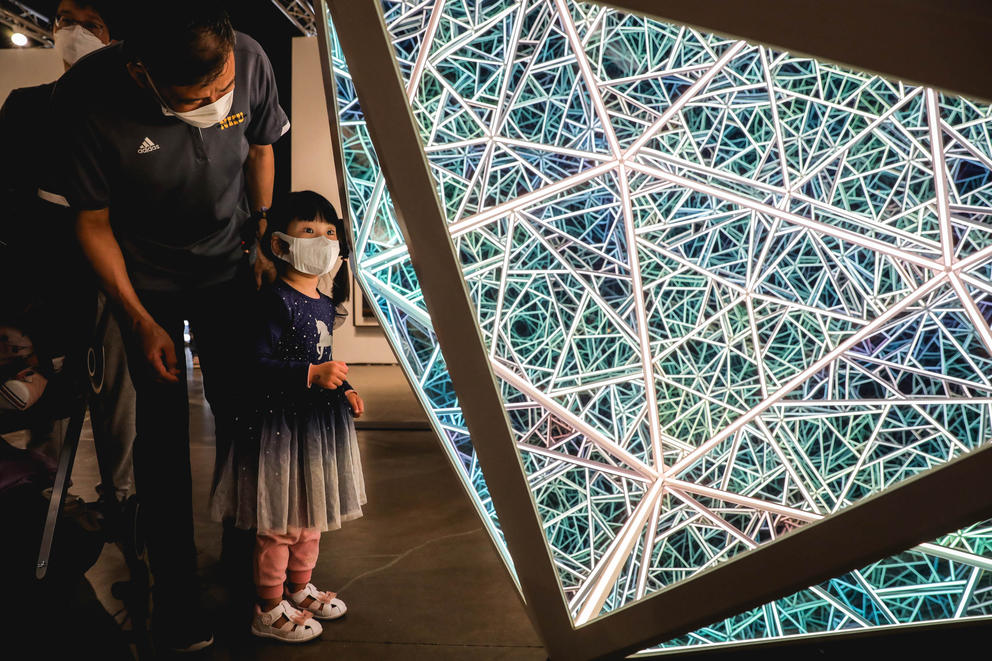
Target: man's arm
260, 174
104, 254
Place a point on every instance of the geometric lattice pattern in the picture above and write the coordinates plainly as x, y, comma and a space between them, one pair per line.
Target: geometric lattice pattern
726, 291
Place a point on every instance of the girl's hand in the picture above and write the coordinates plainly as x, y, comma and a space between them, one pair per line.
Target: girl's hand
357, 405
328, 375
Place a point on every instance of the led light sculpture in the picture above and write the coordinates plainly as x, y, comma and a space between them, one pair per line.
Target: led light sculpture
725, 292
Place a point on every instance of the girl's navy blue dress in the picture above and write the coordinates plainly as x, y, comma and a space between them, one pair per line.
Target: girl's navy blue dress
296, 462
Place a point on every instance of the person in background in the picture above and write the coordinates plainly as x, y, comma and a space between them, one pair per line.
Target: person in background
168, 171
79, 27
295, 471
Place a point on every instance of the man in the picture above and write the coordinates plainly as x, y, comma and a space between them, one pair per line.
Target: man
79, 28
169, 171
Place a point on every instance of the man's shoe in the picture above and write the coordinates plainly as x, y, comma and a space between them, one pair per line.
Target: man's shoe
190, 636
182, 629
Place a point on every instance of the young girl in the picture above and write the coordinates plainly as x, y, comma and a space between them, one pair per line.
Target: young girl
296, 471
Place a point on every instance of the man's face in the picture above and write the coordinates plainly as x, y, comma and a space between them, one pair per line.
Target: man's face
183, 98
69, 14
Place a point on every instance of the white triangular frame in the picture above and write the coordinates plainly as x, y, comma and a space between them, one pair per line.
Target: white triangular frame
940, 500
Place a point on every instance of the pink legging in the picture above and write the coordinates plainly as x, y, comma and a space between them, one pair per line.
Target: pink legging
279, 556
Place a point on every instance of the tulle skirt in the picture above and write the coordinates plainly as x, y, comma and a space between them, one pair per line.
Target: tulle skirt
293, 468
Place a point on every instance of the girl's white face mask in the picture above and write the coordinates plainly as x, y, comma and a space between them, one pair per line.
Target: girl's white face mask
203, 117
314, 256
74, 42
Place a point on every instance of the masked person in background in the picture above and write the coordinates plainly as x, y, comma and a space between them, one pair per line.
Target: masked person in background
168, 171
64, 281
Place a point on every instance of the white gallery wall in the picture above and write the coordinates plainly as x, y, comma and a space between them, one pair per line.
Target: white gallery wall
24, 67
313, 169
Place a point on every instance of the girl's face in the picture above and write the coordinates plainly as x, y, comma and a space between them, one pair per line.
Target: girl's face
308, 229
304, 229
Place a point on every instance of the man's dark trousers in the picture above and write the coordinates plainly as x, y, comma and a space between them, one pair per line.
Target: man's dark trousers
219, 319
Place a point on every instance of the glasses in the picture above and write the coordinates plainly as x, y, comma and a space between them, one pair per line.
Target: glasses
98, 29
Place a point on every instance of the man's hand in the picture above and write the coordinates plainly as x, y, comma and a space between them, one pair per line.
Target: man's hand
104, 254
328, 375
159, 351
357, 405
264, 269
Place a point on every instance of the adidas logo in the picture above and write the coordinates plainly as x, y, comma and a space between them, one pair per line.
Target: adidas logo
147, 146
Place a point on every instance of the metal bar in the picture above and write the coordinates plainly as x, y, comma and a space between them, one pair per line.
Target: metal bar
324, 43
940, 178
300, 13
941, 500
66, 458
31, 14
797, 219
26, 26
839, 350
608, 569
606, 445
685, 98
394, 133
919, 41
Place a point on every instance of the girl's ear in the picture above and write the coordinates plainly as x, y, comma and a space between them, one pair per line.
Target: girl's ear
278, 246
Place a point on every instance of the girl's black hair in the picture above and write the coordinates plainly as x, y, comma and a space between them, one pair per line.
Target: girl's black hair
308, 205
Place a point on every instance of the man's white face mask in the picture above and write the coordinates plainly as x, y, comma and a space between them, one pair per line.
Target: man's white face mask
203, 117
314, 256
74, 42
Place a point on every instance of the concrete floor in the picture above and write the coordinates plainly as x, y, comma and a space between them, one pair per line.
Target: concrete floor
418, 572
420, 576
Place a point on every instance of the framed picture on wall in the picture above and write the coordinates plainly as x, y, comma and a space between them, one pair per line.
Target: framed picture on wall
364, 315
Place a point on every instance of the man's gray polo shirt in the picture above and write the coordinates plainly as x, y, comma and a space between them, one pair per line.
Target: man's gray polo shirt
176, 193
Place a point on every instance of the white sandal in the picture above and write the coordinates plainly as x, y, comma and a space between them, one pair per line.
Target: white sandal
325, 605
298, 625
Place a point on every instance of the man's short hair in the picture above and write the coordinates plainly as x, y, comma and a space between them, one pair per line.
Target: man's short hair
181, 42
